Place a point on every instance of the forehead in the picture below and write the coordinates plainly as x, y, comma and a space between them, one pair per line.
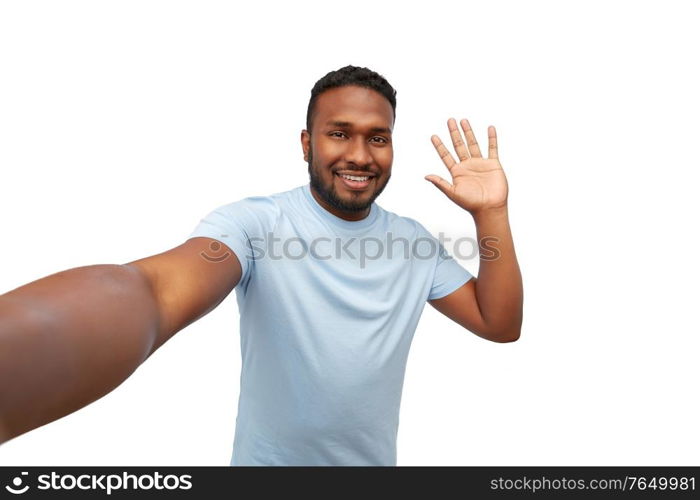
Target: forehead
358, 105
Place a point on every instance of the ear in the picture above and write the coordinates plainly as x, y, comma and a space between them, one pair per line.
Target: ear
305, 143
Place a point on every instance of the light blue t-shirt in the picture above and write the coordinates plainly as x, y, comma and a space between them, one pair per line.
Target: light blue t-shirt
328, 309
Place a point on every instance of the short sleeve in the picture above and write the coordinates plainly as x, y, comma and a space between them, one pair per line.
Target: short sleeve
449, 275
237, 223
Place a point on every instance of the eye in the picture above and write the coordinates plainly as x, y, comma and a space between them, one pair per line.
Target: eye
338, 133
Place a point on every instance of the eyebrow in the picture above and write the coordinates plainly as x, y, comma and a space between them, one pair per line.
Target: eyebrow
336, 123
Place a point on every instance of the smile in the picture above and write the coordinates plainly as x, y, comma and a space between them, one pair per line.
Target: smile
355, 182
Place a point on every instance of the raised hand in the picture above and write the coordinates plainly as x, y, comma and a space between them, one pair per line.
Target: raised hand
477, 183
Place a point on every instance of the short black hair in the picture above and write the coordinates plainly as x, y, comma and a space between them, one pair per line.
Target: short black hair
350, 75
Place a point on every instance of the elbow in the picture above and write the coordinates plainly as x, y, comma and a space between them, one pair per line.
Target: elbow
510, 337
509, 332
504, 335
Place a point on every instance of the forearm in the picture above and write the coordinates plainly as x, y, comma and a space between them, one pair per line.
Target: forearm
499, 287
69, 339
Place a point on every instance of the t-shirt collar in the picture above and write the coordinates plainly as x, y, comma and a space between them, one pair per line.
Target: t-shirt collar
334, 219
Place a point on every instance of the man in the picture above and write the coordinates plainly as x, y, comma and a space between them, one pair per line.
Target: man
330, 288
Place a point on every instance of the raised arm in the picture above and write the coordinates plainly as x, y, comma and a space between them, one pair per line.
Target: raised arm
69, 338
492, 305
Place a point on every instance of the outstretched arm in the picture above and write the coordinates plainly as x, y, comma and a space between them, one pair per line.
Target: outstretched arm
70, 338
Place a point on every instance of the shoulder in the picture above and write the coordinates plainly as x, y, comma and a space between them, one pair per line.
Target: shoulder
263, 208
406, 225
247, 217
256, 203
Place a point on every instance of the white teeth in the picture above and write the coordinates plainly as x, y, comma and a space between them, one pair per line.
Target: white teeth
354, 177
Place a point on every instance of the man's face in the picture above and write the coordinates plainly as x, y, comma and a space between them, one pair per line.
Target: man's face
351, 135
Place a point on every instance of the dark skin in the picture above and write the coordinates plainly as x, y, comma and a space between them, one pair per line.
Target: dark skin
491, 304
351, 133
70, 338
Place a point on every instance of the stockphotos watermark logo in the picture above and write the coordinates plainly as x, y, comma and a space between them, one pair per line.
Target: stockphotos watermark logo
100, 482
360, 250
18, 486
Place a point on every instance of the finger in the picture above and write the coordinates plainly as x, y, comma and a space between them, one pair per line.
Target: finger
443, 152
493, 143
474, 150
456, 136
441, 184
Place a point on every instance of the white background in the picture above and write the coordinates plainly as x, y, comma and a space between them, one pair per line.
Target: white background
123, 123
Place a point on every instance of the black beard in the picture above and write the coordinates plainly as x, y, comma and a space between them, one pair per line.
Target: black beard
330, 196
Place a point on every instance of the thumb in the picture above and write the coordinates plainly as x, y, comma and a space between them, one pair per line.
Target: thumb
441, 184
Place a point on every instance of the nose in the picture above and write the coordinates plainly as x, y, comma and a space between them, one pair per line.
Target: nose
358, 152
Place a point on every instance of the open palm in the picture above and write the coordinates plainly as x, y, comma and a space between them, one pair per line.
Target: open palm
477, 183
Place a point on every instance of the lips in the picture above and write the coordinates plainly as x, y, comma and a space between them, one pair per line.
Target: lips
356, 174
355, 185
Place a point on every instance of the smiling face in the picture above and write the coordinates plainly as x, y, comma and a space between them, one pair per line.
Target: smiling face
350, 136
